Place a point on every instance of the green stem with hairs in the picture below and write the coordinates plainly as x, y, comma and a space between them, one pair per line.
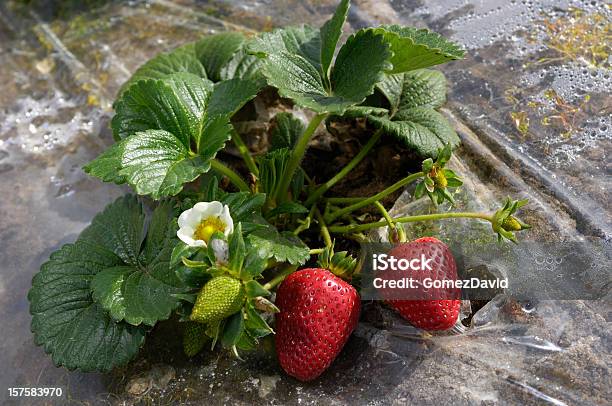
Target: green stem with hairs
377, 197
324, 230
344, 171
396, 234
230, 173
385, 215
409, 219
341, 200
245, 153
298, 154
305, 224
280, 277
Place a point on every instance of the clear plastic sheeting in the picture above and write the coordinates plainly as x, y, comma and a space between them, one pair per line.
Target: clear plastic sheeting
512, 353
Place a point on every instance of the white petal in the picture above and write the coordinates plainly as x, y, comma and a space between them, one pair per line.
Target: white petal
199, 243
185, 234
189, 218
227, 219
208, 209
182, 220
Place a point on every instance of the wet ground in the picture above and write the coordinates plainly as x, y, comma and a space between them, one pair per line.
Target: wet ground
531, 103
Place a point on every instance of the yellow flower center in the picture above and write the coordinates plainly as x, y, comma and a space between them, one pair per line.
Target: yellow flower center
208, 227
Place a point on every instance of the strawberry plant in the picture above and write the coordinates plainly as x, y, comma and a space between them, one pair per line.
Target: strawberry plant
221, 252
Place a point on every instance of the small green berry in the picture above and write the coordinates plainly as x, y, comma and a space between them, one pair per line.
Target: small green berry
194, 338
219, 298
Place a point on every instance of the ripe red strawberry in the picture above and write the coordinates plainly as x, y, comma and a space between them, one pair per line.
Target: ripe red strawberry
318, 313
439, 307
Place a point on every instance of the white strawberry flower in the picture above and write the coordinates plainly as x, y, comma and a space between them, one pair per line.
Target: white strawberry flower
199, 223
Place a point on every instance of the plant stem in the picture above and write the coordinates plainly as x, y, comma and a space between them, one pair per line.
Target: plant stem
376, 197
305, 224
397, 234
244, 151
298, 154
324, 230
344, 171
340, 200
316, 251
232, 176
385, 215
409, 219
280, 277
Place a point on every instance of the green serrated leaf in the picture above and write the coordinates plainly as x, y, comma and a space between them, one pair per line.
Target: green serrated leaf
243, 66
156, 163
143, 293
423, 88
298, 79
286, 132
107, 165
283, 247
423, 129
182, 59
76, 330
359, 66
160, 239
215, 51
418, 48
106, 289
303, 41
243, 205
363, 111
230, 95
391, 87
419, 88
158, 121
169, 104
330, 32
193, 94
118, 229
216, 133
148, 298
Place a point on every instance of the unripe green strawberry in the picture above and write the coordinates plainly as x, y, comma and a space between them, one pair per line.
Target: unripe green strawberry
510, 223
220, 297
194, 338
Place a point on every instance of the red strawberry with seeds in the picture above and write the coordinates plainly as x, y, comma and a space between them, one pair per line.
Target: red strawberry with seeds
318, 313
433, 308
